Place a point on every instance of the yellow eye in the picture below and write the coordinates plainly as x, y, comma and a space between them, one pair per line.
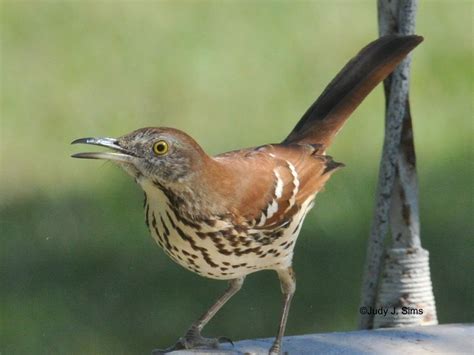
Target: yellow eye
160, 148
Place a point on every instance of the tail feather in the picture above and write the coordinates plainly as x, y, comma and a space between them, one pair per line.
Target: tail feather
348, 89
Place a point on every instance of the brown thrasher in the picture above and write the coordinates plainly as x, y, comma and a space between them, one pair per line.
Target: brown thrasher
227, 216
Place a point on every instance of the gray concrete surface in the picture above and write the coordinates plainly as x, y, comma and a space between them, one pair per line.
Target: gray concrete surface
438, 339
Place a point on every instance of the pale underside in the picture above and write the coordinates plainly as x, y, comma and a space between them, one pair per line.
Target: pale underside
218, 249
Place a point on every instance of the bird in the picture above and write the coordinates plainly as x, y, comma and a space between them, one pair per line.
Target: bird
227, 216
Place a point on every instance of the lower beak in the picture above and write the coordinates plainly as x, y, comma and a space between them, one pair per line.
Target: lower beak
120, 154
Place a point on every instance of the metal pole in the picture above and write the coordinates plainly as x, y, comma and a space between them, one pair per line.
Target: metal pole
396, 175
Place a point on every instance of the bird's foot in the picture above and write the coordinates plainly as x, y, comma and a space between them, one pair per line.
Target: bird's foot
192, 340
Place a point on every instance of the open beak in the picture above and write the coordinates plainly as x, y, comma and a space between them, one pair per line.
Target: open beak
120, 154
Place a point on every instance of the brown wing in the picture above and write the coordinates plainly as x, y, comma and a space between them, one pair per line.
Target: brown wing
269, 184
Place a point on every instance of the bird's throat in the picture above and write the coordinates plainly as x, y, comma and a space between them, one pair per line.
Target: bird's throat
190, 203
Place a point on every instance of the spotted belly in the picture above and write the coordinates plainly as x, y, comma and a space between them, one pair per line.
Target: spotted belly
215, 248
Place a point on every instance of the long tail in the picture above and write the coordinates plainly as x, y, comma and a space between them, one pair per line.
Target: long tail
348, 89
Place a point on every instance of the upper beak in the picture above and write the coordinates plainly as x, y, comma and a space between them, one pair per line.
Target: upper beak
121, 154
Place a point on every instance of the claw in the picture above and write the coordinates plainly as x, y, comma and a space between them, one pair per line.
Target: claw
223, 340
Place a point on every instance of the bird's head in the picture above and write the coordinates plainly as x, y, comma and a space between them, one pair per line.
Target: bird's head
163, 155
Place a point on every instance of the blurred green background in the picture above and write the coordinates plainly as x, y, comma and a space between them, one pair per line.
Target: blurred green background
80, 274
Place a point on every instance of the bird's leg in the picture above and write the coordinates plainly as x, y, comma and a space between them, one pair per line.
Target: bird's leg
194, 331
193, 338
288, 286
